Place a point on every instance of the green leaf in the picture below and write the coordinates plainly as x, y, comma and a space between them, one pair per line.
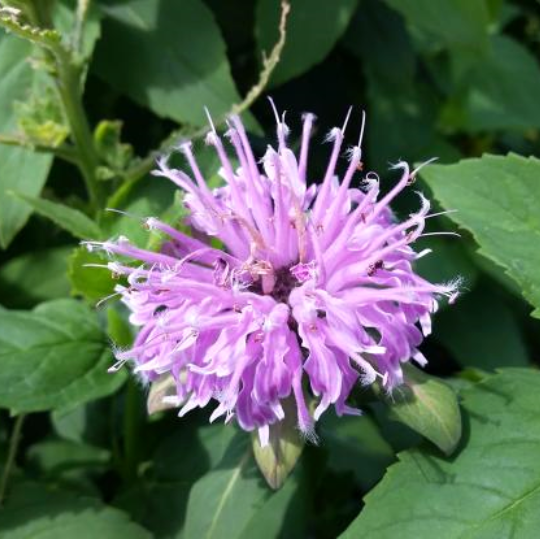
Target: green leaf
20, 168
90, 282
482, 331
274, 519
222, 503
356, 446
376, 27
313, 29
497, 201
109, 146
34, 511
80, 34
504, 89
277, 459
490, 489
67, 463
70, 219
181, 58
448, 260
150, 197
159, 501
89, 423
118, 327
428, 406
35, 277
454, 23
55, 356
41, 119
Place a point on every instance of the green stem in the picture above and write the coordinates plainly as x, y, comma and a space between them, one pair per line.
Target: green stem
68, 84
64, 151
12, 454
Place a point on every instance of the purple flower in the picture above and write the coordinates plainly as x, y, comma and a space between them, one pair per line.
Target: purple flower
311, 290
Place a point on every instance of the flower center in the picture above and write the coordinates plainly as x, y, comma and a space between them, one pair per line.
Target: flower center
283, 283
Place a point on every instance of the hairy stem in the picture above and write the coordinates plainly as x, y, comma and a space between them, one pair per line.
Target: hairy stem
68, 84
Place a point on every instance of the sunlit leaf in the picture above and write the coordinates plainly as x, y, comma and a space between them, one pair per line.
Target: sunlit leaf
489, 489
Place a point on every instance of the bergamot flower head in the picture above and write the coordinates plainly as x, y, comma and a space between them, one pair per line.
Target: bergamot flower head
311, 292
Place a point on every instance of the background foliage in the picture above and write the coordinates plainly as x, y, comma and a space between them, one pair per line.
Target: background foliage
90, 90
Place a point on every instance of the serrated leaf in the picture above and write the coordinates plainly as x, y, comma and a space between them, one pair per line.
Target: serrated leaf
491, 488
277, 459
43, 37
429, 406
69, 219
313, 29
35, 511
55, 356
92, 283
182, 65
497, 201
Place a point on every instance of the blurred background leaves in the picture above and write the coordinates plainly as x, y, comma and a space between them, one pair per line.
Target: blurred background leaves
83, 114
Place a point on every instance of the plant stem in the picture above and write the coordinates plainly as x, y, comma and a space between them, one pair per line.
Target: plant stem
68, 84
64, 151
12, 454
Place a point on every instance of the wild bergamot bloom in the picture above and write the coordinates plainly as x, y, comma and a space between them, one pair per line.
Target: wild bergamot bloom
311, 293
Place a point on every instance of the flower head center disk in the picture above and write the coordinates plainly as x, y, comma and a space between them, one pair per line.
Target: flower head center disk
277, 283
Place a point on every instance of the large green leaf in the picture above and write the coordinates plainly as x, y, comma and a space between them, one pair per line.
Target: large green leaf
181, 59
55, 356
497, 200
504, 89
223, 502
490, 489
20, 169
34, 511
313, 29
